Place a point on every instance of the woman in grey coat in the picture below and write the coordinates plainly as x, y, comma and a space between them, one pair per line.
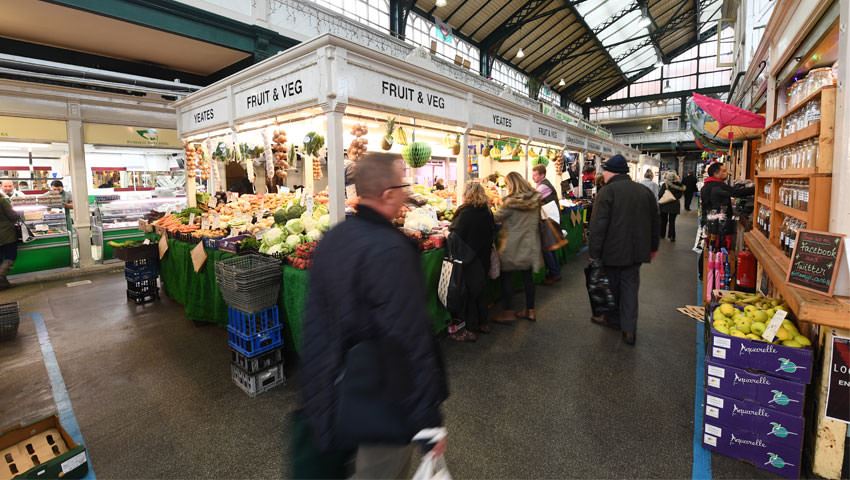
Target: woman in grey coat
519, 244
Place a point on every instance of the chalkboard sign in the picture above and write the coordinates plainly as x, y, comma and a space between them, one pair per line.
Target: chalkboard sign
815, 261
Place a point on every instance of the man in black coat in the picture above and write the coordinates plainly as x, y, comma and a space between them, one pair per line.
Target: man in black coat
690, 183
367, 287
716, 195
623, 235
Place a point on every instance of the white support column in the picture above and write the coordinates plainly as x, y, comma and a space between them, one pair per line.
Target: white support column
336, 167
79, 187
580, 173
460, 167
839, 220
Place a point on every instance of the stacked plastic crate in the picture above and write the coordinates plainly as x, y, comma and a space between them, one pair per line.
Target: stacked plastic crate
250, 285
142, 276
10, 318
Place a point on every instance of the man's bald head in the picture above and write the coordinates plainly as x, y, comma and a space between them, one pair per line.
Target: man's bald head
375, 173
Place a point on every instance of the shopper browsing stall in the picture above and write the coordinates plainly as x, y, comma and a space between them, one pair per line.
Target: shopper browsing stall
475, 225
623, 235
356, 317
8, 240
519, 244
552, 211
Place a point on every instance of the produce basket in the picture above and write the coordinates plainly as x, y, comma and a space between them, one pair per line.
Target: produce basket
9, 320
136, 253
249, 282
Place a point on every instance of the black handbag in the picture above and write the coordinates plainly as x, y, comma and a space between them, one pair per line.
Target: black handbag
599, 290
375, 380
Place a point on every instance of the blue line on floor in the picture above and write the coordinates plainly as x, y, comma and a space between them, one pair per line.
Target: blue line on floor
701, 469
57, 384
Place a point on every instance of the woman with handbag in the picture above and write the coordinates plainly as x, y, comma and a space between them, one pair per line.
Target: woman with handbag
475, 225
668, 204
8, 240
519, 244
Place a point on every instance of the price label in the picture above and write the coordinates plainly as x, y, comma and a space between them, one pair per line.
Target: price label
199, 257
213, 201
205, 223
163, 246
216, 222
310, 203
773, 325
191, 219
350, 191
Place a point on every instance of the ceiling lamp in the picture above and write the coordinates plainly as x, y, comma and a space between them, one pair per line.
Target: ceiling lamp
588, 100
660, 102
440, 3
562, 83
649, 127
520, 53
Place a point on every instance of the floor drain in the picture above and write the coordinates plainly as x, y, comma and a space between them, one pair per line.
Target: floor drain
77, 284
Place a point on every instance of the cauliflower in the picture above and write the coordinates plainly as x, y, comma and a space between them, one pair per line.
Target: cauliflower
277, 248
314, 236
293, 241
324, 223
310, 223
295, 226
273, 236
421, 219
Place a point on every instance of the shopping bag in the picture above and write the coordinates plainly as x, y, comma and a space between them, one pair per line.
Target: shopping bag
495, 264
668, 197
433, 467
599, 290
551, 237
450, 286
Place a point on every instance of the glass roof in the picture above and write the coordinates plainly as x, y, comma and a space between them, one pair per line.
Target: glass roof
622, 36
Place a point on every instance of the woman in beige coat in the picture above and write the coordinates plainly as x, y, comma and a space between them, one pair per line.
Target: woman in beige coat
519, 244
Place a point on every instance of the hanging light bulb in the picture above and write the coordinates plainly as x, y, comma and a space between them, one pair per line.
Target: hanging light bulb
520, 53
588, 100
562, 83
440, 3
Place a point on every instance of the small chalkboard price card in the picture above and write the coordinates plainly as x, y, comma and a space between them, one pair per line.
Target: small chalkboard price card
815, 261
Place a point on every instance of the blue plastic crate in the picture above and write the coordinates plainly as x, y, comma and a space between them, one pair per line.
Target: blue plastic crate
253, 345
253, 323
141, 263
142, 286
141, 275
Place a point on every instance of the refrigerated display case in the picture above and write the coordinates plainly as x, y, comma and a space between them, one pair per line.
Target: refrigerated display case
118, 220
48, 221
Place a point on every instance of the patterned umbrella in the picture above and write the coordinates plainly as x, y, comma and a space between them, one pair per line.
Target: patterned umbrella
720, 121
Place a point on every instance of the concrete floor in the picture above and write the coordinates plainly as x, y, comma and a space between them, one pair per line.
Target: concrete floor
553, 399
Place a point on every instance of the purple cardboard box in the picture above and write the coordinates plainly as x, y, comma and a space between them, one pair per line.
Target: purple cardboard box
794, 364
767, 390
752, 448
783, 431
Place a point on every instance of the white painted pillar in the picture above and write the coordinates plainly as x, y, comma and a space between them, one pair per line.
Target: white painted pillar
460, 167
79, 184
839, 218
336, 167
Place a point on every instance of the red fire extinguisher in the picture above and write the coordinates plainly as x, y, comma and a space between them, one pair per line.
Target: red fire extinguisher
746, 275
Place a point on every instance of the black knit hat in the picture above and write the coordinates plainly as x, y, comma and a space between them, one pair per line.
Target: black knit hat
616, 164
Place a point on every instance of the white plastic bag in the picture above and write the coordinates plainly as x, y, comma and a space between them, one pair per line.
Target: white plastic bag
432, 468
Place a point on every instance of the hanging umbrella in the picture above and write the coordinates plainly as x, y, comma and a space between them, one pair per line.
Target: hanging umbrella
709, 144
721, 121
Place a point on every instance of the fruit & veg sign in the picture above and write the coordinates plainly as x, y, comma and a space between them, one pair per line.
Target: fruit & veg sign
838, 397
283, 90
397, 94
815, 261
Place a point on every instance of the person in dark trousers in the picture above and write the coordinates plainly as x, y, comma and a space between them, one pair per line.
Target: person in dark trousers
690, 183
623, 235
670, 210
367, 288
552, 210
519, 244
475, 225
8, 240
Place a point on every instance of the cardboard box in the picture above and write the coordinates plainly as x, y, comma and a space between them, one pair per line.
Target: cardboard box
753, 448
766, 390
791, 363
784, 431
41, 450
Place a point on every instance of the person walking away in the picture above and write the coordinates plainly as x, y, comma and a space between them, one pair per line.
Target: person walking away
690, 183
8, 240
475, 225
623, 235
552, 210
519, 244
670, 209
649, 182
366, 307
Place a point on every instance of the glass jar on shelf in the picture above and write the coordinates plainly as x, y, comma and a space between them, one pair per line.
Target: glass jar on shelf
819, 78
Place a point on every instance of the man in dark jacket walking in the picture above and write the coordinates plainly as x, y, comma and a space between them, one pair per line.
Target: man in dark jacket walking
690, 183
623, 235
367, 287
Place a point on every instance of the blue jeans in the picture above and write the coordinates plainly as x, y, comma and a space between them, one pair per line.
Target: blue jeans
553, 268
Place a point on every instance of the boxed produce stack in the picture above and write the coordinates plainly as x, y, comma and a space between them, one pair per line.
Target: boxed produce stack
250, 284
755, 389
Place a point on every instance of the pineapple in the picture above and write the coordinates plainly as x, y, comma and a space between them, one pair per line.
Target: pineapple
388, 140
